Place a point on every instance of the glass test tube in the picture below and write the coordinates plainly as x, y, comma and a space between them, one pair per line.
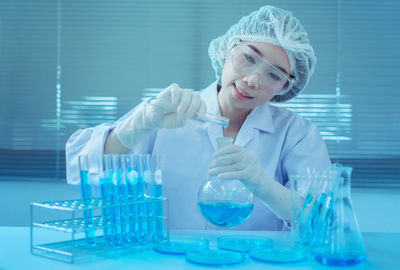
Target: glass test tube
216, 119
123, 199
86, 193
148, 204
104, 164
157, 196
116, 214
140, 199
132, 177
208, 117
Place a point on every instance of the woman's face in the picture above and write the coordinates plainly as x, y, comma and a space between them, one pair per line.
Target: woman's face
245, 92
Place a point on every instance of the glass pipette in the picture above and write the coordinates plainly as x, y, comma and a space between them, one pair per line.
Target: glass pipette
208, 117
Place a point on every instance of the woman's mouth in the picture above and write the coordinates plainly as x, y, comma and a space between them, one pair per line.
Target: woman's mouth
241, 94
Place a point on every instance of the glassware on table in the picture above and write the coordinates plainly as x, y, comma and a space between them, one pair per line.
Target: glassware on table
278, 255
323, 219
338, 240
86, 193
181, 244
243, 243
215, 257
224, 203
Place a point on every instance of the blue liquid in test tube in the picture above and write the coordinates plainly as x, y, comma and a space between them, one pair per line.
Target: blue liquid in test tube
105, 192
156, 195
86, 192
148, 199
132, 178
116, 215
124, 199
141, 209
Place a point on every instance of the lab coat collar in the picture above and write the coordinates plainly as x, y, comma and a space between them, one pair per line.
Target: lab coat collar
261, 118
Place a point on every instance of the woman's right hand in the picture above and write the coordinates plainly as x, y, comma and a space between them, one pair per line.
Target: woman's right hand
170, 109
173, 106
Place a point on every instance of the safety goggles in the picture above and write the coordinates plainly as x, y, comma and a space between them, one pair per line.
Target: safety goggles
247, 62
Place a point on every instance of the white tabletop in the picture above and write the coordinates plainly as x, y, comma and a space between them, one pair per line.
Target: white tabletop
383, 252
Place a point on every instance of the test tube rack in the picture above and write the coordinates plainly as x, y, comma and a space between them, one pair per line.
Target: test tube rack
60, 229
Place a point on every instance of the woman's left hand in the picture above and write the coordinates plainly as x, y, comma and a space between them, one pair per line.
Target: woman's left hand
235, 162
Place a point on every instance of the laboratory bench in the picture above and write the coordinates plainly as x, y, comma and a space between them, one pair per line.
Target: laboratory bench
383, 252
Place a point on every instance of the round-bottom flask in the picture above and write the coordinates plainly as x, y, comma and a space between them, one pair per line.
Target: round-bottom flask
224, 203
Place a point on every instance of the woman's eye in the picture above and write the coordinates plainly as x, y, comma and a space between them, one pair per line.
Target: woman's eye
249, 58
274, 76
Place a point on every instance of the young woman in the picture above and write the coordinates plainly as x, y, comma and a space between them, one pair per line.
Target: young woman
265, 57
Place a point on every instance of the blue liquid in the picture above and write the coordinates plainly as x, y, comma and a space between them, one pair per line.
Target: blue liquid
346, 259
131, 184
86, 193
106, 190
86, 190
124, 211
141, 211
225, 214
148, 205
158, 224
116, 214
111, 214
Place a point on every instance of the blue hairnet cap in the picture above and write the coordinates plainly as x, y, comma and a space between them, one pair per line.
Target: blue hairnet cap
275, 26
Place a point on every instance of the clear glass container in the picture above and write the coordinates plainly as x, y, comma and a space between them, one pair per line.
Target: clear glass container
224, 203
278, 255
215, 257
243, 243
178, 244
338, 238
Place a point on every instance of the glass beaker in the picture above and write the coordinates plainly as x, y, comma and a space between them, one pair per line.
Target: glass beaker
225, 203
337, 239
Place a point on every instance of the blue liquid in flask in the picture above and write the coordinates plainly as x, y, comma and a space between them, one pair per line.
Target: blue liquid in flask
225, 213
345, 259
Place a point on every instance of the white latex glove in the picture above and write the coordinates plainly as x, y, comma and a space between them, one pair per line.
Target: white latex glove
235, 162
170, 109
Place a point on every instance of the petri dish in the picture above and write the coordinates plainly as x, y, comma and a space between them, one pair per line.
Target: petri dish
214, 257
278, 255
180, 244
243, 243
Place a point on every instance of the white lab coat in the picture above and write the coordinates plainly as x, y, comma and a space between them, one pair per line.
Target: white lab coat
285, 143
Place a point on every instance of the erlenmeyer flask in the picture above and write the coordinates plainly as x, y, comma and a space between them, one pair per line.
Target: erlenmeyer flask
225, 203
339, 240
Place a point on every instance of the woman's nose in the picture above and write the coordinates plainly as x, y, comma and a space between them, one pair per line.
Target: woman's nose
252, 80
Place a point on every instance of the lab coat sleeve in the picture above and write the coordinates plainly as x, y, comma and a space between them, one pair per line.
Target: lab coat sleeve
90, 141
305, 149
